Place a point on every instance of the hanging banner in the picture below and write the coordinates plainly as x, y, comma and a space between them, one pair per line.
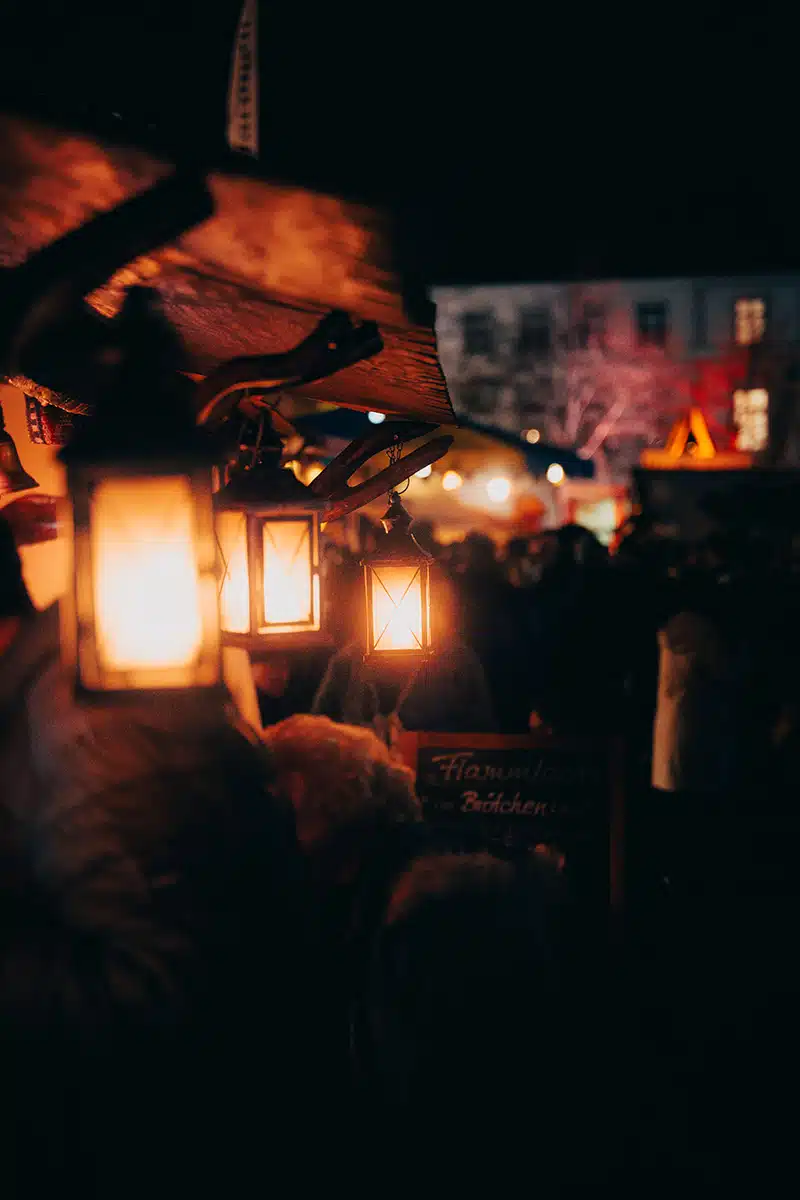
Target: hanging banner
50, 426
243, 93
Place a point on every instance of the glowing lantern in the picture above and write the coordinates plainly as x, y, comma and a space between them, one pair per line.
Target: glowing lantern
555, 474
268, 531
397, 581
376, 418
424, 473
142, 612
451, 481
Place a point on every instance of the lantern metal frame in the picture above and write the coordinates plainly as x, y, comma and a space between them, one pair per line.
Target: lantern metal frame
78, 626
398, 548
269, 494
143, 427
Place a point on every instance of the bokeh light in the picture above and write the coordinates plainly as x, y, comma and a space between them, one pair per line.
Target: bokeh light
498, 489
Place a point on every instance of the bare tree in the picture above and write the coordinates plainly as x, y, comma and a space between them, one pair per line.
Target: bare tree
593, 381
607, 402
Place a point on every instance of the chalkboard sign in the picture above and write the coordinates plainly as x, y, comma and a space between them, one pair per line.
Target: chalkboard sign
527, 792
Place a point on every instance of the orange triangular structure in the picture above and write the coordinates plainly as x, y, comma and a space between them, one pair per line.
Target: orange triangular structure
691, 427
690, 444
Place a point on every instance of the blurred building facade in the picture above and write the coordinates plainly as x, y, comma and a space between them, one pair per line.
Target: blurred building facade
605, 368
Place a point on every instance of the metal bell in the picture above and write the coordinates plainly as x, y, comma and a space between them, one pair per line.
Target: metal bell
13, 476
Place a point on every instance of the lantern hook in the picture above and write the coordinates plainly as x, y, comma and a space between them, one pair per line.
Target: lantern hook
393, 453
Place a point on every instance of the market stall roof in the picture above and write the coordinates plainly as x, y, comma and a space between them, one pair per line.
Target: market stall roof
394, 116
254, 279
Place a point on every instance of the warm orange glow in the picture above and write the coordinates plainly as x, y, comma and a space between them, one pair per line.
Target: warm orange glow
291, 588
701, 454
692, 425
235, 594
555, 474
396, 607
313, 472
424, 472
451, 481
532, 436
148, 601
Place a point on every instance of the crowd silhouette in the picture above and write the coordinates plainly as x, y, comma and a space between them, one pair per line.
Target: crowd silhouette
235, 958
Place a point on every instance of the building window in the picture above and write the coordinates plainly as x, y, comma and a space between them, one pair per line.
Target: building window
751, 417
590, 332
750, 320
481, 396
533, 400
478, 331
534, 331
652, 323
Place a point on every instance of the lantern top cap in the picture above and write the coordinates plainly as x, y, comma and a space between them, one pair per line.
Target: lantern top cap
396, 518
399, 544
145, 409
267, 484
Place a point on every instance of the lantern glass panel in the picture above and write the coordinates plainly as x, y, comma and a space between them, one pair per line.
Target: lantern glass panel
398, 607
290, 575
148, 610
144, 611
235, 593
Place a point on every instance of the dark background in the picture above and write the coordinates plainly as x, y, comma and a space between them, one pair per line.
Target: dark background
516, 141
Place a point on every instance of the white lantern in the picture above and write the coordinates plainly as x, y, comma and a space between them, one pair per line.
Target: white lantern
141, 612
397, 584
268, 532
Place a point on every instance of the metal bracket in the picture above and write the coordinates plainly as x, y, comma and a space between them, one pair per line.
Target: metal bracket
335, 344
332, 484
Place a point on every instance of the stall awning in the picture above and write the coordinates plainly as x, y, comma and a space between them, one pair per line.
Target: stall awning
254, 279
538, 455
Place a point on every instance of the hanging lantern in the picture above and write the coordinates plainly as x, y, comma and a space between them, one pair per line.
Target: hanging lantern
13, 476
142, 611
397, 582
268, 532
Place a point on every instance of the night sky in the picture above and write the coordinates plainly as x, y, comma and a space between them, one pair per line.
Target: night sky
521, 144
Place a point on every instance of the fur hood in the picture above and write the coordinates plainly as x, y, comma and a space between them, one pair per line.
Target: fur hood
125, 821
